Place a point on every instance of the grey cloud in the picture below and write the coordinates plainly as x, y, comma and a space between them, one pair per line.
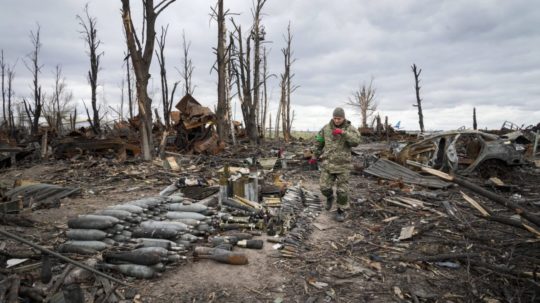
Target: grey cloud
480, 53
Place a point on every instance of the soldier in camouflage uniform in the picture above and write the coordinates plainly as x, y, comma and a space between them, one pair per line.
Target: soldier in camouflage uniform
334, 143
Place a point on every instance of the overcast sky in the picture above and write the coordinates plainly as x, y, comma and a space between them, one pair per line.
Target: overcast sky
481, 53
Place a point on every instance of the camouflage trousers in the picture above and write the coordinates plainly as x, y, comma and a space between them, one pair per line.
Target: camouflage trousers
341, 181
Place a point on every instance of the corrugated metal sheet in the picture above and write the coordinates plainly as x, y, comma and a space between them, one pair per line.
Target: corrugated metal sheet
392, 171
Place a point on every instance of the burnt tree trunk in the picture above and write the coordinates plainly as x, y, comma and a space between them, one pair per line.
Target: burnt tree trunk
89, 34
11, 117
167, 103
129, 86
222, 105
230, 83
35, 68
286, 87
418, 104
257, 36
264, 107
249, 102
243, 79
3, 72
187, 67
141, 58
474, 124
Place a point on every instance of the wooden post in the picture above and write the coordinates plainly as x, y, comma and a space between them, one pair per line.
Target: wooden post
535, 148
386, 128
44, 145
162, 144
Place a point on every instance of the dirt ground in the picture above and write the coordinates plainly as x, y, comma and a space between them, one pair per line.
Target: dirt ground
359, 260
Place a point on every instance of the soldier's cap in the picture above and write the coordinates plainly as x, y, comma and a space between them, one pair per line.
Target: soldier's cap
339, 112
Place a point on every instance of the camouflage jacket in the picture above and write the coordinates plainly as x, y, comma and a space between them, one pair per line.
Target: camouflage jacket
334, 152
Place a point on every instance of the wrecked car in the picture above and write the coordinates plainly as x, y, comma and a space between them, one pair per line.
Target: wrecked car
462, 151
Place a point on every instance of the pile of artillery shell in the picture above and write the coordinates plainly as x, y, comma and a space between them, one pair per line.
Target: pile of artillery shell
138, 238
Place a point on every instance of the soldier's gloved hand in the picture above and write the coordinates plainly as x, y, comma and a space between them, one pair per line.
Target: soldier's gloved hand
312, 161
337, 131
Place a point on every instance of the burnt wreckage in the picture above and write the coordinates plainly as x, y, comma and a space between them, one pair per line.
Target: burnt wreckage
462, 151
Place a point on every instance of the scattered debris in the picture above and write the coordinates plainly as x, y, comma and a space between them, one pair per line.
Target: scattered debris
463, 151
195, 128
34, 196
258, 208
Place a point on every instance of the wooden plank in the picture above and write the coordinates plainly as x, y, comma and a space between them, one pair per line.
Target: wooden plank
475, 204
172, 163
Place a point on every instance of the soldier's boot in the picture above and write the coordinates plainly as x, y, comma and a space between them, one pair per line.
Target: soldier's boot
340, 215
329, 194
329, 202
342, 202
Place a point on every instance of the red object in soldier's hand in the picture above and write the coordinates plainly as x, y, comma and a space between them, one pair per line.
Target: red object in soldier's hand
312, 161
337, 131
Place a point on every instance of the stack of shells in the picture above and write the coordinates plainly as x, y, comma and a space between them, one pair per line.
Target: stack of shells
299, 208
140, 237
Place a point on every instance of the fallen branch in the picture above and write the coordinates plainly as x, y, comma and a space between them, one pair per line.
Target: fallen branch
535, 219
488, 215
503, 220
441, 257
506, 271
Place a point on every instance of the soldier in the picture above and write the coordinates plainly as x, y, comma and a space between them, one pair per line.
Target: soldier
334, 143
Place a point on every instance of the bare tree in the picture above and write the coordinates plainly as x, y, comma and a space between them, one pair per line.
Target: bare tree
278, 117
141, 58
287, 88
222, 104
73, 119
364, 100
34, 113
242, 72
167, 100
270, 125
258, 35
21, 110
3, 73
10, 93
475, 125
264, 107
418, 104
187, 66
56, 108
249, 92
89, 34
7, 92
230, 83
